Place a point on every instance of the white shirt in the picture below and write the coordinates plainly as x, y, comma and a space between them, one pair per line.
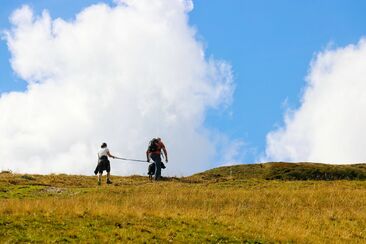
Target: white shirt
103, 152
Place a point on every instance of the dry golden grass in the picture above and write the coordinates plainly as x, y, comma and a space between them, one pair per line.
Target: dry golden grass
136, 210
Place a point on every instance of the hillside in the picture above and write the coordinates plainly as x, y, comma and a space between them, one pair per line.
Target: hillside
237, 204
286, 171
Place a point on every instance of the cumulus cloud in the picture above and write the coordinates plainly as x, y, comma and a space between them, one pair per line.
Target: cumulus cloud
120, 74
232, 152
329, 126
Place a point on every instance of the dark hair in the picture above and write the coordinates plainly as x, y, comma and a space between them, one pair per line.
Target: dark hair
103, 145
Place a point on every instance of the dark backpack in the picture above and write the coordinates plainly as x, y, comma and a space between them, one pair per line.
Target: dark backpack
151, 168
152, 145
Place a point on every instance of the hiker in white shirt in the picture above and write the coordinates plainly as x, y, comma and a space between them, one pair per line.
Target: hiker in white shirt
103, 163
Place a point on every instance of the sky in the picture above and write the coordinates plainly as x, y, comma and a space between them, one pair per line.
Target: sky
221, 82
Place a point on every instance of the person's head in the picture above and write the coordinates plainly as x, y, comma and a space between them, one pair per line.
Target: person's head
104, 145
158, 139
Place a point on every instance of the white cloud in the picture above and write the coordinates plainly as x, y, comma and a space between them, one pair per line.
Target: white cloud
330, 124
121, 74
233, 152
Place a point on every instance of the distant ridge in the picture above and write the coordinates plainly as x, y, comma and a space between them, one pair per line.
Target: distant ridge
286, 171
261, 171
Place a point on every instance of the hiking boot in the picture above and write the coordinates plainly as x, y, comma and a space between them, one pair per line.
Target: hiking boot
109, 181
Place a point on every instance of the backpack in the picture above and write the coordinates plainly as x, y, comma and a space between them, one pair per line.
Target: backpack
151, 168
152, 145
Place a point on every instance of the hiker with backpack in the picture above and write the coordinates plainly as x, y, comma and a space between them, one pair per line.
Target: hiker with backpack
154, 152
103, 163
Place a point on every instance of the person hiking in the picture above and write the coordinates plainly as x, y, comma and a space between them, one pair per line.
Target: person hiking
103, 163
154, 152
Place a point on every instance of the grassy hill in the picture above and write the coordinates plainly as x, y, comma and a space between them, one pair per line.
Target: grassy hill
268, 203
286, 171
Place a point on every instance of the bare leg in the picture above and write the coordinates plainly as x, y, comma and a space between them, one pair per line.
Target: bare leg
108, 178
100, 178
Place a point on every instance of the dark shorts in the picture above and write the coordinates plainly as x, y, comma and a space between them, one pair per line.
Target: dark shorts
157, 159
103, 164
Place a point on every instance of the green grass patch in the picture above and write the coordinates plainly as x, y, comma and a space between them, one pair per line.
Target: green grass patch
20, 191
150, 229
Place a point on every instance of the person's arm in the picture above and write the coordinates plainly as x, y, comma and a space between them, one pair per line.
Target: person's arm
110, 155
165, 152
147, 156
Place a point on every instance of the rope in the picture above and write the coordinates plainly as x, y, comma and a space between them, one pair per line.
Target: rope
129, 159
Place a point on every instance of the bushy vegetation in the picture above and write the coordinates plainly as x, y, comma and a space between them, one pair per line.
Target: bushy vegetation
238, 204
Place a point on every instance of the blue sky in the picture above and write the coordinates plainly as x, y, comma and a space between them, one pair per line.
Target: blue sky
269, 45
